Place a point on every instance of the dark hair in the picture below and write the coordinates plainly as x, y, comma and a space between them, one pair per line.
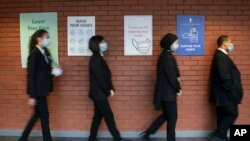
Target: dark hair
167, 40
222, 39
94, 42
33, 38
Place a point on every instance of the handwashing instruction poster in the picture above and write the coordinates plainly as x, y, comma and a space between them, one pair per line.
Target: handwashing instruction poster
138, 35
190, 32
80, 30
29, 24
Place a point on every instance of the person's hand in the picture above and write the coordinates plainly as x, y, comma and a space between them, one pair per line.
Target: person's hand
112, 93
179, 93
32, 102
58, 66
179, 79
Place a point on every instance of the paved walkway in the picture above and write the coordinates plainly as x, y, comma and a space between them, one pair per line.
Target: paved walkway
84, 139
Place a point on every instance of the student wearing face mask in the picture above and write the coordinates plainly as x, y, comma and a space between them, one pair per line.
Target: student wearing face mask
101, 88
167, 88
39, 85
226, 88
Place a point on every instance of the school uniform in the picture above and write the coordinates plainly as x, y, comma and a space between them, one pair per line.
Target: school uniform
99, 91
39, 86
166, 89
226, 91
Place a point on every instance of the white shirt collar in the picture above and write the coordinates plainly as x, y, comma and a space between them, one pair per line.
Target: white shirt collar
222, 50
101, 54
41, 49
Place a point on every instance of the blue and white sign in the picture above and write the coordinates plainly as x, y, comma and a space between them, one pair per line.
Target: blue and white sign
190, 32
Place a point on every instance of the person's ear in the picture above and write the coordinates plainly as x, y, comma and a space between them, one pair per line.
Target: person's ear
224, 44
39, 39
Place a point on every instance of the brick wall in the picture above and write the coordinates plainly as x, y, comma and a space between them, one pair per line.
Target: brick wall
134, 77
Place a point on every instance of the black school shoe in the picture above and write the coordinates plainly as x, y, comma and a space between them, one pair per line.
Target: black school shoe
122, 139
22, 139
215, 138
144, 136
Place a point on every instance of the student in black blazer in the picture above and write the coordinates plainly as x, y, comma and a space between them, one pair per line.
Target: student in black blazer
167, 88
226, 88
101, 88
39, 83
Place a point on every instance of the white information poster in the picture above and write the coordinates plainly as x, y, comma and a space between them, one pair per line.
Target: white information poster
138, 35
80, 30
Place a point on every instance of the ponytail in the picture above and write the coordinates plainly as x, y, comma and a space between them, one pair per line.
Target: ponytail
33, 39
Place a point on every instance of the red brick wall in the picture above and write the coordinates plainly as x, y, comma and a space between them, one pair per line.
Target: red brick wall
134, 77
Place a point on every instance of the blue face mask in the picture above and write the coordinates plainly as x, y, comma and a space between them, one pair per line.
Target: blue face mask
103, 47
174, 47
231, 47
46, 42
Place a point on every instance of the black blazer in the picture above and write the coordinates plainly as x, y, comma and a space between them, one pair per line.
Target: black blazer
226, 87
39, 74
99, 77
167, 84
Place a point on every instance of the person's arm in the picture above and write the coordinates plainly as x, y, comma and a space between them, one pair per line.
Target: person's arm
111, 83
223, 66
170, 71
177, 70
112, 89
31, 75
178, 73
96, 67
111, 86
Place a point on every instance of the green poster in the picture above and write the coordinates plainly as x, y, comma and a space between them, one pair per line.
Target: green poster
29, 23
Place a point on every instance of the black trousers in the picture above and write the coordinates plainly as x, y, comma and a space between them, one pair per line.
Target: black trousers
169, 115
226, 116
40, 111
102, 109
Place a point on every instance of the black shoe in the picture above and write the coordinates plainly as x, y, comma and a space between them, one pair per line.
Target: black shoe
122, 139
215, 138
144, 136
22, 139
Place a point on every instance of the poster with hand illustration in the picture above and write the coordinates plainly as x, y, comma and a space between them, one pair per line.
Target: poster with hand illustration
138, 35
190, 31
80, 30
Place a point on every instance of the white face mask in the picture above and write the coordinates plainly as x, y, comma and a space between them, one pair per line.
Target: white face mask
46, 42
103, 47
57, 71
174, 47
231, 47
